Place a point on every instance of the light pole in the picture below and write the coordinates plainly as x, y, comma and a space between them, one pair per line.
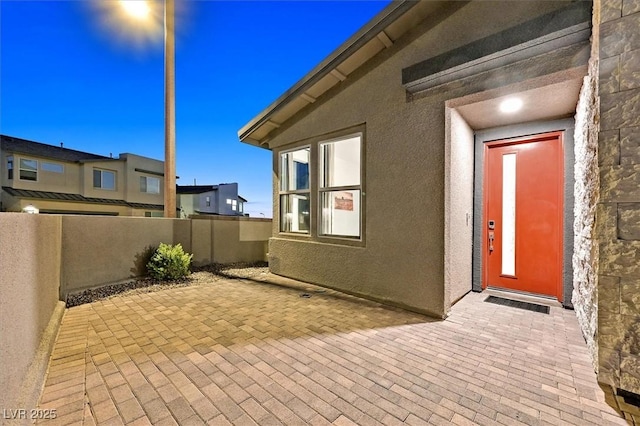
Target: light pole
140, 10
169, 110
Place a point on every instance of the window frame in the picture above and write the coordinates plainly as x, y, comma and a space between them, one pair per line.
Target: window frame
10, 167
321, 166
20, 169
287, 192
314, 193
102, 171
146, 185
45, 166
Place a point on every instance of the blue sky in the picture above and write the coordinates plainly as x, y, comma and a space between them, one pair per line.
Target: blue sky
74, 72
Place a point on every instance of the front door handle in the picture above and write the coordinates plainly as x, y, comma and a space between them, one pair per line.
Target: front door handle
491, 238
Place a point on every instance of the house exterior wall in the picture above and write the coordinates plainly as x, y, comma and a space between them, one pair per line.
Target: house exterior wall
187, 203
77, 178
618, 210
197, 203
200, 202
137, 167
459, 154
67, 182
227, 191
404, 141
117, 166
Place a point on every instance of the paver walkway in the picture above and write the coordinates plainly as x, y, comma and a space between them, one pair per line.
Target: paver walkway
241, 352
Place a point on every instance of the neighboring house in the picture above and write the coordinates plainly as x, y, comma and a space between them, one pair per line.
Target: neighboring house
405, 172
55, 179
222, 199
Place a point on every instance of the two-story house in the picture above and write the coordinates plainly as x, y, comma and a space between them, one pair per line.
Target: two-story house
222, 199
55, 179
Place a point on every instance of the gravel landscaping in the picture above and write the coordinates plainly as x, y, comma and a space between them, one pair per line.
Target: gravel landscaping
199, 276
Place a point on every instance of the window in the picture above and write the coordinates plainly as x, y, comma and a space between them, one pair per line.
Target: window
150, 185
28, 169
340, 187
52, 167
9, 167
104, 179
295, 194
233, 204
207, 201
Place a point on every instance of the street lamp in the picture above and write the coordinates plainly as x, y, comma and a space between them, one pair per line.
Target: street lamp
139, 9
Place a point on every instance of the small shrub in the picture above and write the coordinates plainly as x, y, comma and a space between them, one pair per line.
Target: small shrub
169, 263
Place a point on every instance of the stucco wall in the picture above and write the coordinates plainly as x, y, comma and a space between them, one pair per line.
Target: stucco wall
132, 178
30, 254
102, 250
619, 205
69, 181
402, 258
459, 156
221, 239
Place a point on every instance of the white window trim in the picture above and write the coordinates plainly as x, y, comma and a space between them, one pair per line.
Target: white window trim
306, 192
315, 192
321, 190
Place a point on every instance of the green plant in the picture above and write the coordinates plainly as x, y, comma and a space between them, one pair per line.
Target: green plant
169, 262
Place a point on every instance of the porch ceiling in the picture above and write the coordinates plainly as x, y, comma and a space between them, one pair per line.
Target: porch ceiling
542, 103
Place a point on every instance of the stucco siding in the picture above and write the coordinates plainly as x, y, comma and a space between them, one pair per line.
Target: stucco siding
103, 250
402, 258
459, 204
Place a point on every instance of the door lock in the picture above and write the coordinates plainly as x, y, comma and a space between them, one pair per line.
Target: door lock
491, 225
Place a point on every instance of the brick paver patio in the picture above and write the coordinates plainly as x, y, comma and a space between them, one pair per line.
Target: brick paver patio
242, 352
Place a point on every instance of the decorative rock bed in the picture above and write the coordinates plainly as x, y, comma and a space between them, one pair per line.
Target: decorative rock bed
200, 275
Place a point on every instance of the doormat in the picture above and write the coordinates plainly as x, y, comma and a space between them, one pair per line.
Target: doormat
518, 304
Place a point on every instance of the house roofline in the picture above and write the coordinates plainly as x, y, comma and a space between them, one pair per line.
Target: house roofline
367, 33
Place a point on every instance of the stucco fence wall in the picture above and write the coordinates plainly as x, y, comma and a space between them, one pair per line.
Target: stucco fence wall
43, 258
103, 250
30, 253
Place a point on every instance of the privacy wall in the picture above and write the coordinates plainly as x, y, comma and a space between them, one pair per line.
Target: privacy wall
103, 250
30, 253
45, 257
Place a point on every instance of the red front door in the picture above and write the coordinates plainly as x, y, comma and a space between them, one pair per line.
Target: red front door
522, 232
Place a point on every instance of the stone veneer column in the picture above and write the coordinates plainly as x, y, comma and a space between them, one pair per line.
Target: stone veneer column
618, 210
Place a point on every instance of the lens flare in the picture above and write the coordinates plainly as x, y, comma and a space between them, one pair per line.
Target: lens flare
138, 9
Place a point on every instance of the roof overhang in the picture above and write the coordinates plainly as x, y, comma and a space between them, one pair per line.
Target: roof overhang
380, 33
566, 27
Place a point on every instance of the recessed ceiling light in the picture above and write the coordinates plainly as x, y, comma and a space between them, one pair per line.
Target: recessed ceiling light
510, 105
